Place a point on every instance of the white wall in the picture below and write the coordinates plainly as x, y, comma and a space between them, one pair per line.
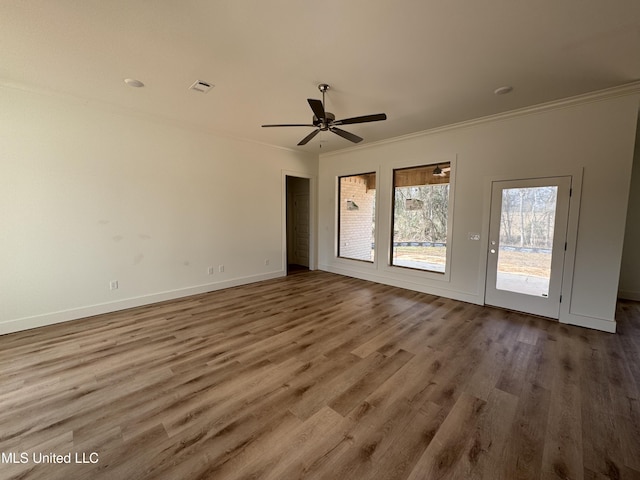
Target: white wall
630, 273
592, 136
89, 195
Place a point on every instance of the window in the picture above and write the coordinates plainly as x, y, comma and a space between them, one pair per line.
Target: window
420, 217
356, 216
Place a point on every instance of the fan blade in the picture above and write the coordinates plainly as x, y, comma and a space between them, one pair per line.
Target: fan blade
291, 125
317, 107
363, 119
306, 139
344, 134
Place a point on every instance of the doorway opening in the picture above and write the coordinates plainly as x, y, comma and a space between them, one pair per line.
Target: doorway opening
298, 224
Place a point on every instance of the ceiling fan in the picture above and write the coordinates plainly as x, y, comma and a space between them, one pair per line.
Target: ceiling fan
441, 172
323, 120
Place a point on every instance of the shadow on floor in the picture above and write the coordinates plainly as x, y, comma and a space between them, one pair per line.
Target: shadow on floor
293, 268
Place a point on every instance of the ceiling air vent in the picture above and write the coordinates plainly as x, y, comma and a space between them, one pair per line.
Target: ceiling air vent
200, 86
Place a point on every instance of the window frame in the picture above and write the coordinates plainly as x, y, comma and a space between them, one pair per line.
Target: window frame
419, 272
339, 217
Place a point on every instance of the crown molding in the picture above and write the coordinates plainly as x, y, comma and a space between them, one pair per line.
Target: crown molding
624, 90
113, 108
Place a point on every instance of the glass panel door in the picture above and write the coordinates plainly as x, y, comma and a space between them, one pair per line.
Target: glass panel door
526, 239
527, 236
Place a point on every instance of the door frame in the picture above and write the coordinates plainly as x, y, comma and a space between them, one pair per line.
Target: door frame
565, 315
546, 305
312, 218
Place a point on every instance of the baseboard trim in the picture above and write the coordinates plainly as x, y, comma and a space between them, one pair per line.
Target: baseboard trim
601, 324
27, 323
629, 295
407, 284
571, 319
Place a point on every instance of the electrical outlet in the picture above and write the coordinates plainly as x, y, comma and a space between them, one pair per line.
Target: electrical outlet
113, 285
221, 268
266, 261
210, 271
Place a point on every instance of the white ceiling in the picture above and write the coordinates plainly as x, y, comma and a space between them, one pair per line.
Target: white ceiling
425, 63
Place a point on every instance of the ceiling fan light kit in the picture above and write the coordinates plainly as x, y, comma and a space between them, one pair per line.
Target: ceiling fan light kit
441, 172
326, 121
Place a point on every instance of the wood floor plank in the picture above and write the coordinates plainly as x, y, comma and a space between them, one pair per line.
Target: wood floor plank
313, 439
393, 439
543, 362
513, 375
484, 452
628, 430
523, 455
563, 450
320, 376
368, 382
322, 394
442, 457
407, 447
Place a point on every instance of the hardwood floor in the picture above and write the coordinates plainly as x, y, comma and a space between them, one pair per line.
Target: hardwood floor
320, 376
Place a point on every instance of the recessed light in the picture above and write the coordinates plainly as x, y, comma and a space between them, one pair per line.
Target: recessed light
503, 90
132, 82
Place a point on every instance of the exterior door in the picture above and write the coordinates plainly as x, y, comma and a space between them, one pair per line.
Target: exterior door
527, 243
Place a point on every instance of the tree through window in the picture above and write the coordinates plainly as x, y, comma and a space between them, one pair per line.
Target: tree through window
420, 217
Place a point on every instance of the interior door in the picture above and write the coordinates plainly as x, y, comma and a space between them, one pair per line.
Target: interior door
527, 243
301, 229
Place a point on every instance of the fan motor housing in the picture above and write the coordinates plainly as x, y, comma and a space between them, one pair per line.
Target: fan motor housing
329, 117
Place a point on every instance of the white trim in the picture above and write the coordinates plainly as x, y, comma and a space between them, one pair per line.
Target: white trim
601, 324
572, 227
445, 276
113, 108
629, 295
597, 96
336, 218
549, 305
403, 283
572, 243
312, 216
36, 321
566, 315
